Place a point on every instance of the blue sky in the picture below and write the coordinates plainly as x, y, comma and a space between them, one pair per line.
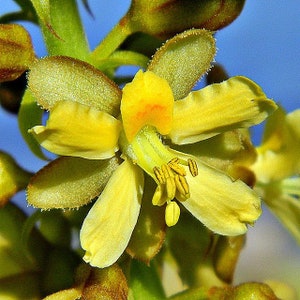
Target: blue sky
262, 44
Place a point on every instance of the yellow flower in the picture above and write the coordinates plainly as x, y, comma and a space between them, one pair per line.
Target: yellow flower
149, 116
277, 168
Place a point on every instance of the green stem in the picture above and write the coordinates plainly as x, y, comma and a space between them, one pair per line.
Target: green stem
65, 35
119, 58
113, 40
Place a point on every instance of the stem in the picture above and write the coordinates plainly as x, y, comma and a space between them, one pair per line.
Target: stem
65, 35
113, 40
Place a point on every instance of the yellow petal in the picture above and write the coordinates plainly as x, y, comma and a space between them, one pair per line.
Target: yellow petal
278, 156
223, 205
74, 129
108, 226
147, 100
284, 206
235, 103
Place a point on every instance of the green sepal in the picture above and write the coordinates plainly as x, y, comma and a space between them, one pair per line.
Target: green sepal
59, 78
69, 182
30, 115
183, 59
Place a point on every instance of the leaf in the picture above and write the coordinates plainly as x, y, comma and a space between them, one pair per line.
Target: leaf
16, 51
27, 13
144, 282
69, 182
183, 59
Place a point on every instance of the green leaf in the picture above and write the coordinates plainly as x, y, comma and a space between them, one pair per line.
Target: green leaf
183, 59
144, 282
16, 51
59, 78
69, 182
30, 115
27, 13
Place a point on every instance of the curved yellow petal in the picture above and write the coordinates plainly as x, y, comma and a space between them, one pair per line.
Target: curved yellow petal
75, 129
107, 228
235, 103
278, 155
223, 205
285, 206
147, 100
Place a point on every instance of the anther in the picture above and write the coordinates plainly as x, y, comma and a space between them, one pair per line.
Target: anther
170, 187
166, 170
173, 164
182, 186
193, 167
159, 175
172, 213
174, 160
158, 198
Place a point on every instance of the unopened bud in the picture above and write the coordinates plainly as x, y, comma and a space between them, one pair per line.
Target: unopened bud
165, 18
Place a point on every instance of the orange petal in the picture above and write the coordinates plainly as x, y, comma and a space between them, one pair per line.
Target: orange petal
147, 100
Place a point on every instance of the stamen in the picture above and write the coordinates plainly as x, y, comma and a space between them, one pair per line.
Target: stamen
170, 187
167, 171
158, 198
182, 186
159, 175
174, 160
193, 167
173, 164
172, 213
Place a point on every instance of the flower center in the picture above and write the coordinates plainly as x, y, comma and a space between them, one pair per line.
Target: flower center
148, 151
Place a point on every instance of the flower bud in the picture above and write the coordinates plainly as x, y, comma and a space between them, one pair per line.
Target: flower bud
165, 18
226, 255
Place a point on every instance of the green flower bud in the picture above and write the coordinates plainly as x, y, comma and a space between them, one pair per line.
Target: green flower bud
226, 255
165, 18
